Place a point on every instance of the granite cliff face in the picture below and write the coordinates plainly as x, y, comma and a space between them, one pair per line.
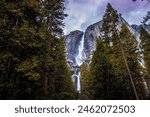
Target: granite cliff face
80, 45
72, 41
94, 32
73, 49
91, 34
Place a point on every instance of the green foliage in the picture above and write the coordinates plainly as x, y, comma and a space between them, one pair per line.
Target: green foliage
123, 55
32, 57
129, 45
101, 75
145, 41
115, 62
110, 20
61, 73
28, 67
84, 82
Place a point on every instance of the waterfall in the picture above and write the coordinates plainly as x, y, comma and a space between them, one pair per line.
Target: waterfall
79, 61
78, 83
79, 57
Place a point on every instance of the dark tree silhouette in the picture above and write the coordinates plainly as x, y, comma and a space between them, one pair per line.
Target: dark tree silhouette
148, 1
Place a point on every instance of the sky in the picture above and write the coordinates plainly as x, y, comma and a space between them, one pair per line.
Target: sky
82, 13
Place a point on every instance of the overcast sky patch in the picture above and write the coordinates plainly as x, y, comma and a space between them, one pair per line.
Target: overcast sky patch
83, 13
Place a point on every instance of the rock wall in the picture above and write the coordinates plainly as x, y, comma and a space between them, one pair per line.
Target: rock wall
93, 32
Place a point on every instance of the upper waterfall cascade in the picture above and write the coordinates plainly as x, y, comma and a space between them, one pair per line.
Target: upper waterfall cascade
79, 57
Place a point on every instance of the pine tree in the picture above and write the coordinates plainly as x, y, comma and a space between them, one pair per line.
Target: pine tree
102, 79
145, 41
19, 42
146, 20
84, 81
129, 48
64, 88
29, 40
110, 20
53, 15
110, 38
122, 48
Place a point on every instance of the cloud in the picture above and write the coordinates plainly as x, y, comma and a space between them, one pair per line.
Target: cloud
82, 13
133, 12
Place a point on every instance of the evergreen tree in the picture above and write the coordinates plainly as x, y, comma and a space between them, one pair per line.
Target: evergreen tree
53, 15
145, 41
111, 40
146, 19
20, 45
129, 52
110, 20
84, 82
122, 48
64, 88
31, 50
102, 79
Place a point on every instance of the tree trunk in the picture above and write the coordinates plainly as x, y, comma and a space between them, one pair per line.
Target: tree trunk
128, 70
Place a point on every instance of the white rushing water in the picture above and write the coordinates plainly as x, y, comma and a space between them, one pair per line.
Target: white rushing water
79, 57
79, 60
78, 83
